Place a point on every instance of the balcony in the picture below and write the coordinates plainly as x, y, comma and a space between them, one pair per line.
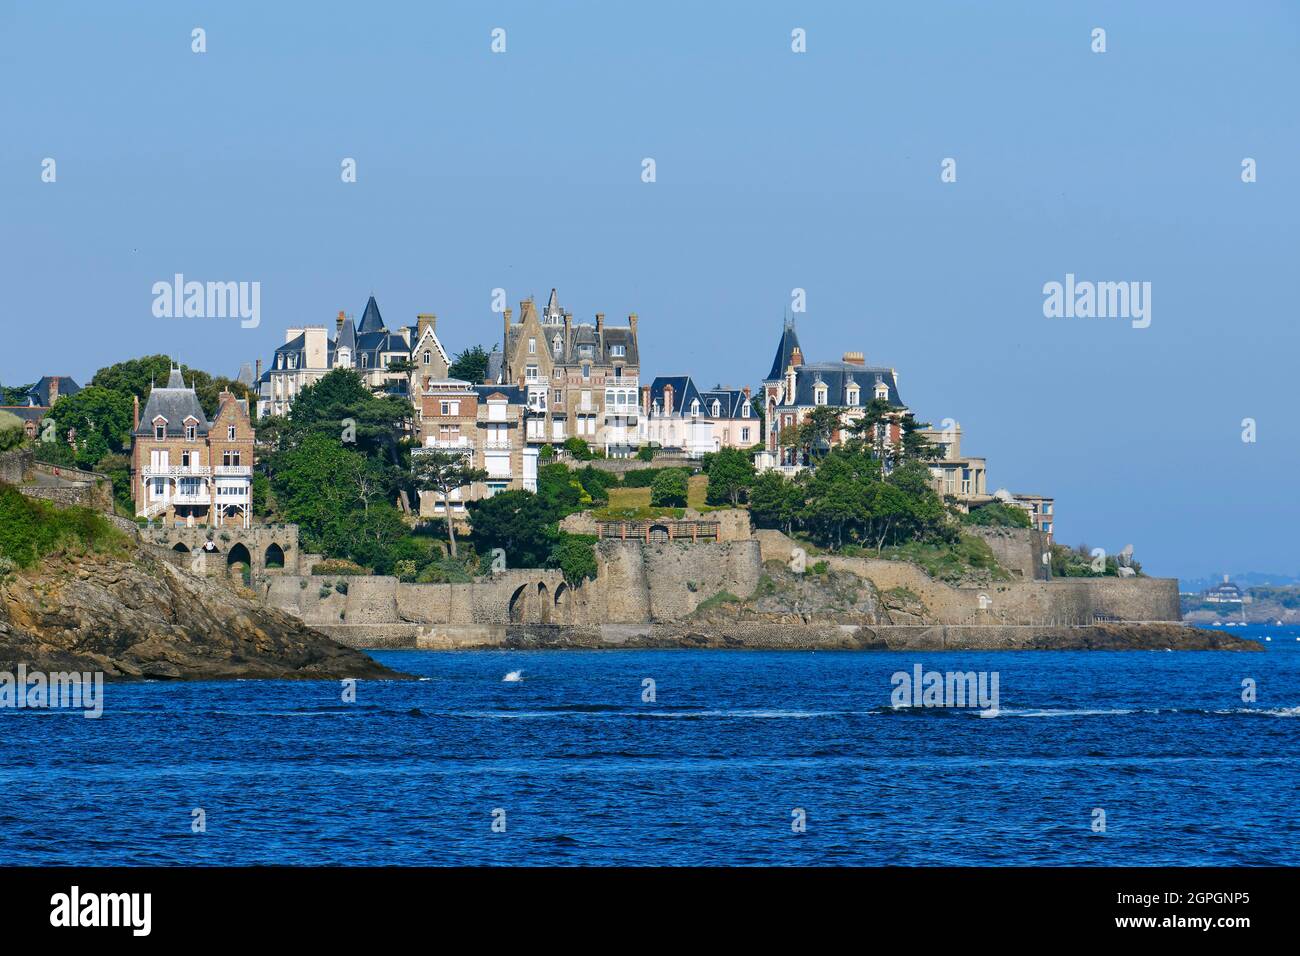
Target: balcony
496, 446
233, 471
176, 471
448, 444
192, 498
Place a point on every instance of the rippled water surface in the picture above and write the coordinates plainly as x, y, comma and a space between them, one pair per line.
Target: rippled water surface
708, 772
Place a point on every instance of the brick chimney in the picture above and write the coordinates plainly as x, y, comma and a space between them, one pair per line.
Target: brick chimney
668, 399
338, 323
425, 320
568, 327
54, 389
745, 390
631, 321
855, 358
796, 356
600, 323
257, 375
645, 399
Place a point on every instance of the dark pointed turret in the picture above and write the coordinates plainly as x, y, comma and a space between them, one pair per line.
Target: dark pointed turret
786, 349
371, 320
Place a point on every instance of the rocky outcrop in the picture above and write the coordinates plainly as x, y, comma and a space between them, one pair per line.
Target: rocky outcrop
144, 618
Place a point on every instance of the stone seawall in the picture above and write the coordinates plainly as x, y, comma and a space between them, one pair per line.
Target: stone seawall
762, 636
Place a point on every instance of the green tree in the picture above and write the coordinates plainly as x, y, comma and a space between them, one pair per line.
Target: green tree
443, 472
15, 394
470, 366
996, 514
775, 501
731, 473
518, 522
669, 488
319, 484
100, 419
578, 448
818, 430
836, 498
12, 431
574, 555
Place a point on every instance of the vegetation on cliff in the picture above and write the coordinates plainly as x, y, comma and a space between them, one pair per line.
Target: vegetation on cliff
31, 529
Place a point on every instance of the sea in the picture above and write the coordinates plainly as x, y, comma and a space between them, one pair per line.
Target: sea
677, 757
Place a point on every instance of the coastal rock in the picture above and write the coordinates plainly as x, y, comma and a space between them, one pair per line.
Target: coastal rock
145, 619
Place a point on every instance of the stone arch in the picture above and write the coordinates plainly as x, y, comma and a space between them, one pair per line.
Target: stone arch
544, 602
519, 604
561, 603
274, 559
238, 555
659, 532
180, 547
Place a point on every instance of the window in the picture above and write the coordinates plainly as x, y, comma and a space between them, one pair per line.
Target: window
1047, 510
618, 351
695, 408
532, 346
882, 391
744, 435
717, 408
230, 458
191, 432
428, 356
555, 345
159, 431
449, 407
230, 433
185, 459
558, 397
586, 372
365, 360
530, 373
819, 395
852, 395
744, 410
293, 361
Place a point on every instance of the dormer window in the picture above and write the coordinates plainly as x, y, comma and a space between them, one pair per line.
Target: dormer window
717, 408
618, 351
191, 431
819, 395
852, 395
744, 410
882, 391
160, 429
365, 360
555, 345
695, 408
293, 361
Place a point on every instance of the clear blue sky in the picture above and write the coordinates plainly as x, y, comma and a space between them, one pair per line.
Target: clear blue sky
775, 171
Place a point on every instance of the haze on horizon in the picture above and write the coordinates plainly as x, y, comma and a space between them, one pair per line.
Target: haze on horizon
775, 171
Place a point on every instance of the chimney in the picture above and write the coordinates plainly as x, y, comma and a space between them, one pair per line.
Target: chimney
257, 376
855, 358
600, 322
745, 390
54, 389
505, 341
796, 356
668, 399
425, 320
135, 413
338, 323
292, 333
645, 399
631, 321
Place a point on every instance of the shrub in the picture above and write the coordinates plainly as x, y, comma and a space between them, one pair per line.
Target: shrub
30, 529
338, 566
646, 452
575, 555
341, 587
996, 514
669, 488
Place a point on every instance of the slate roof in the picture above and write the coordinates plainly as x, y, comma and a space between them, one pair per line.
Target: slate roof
40, 393
28, 413
581, 340
175, 402
837, 377
371, 321
515, 394
495, 364
789, 342
730, 400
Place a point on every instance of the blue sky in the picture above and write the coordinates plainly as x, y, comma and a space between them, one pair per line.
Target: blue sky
775, 170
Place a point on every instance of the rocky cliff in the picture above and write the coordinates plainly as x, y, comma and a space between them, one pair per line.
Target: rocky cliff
140, 617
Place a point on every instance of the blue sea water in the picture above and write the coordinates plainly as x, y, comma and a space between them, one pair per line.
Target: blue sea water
709, 772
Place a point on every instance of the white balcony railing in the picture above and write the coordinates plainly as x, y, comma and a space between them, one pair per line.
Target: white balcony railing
193, 498
235, 471
175, 471
496, 446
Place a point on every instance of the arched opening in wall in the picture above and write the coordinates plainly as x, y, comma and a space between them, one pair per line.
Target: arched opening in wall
561, 604
659, 532
275, 558
544, 602
180, 546
518, 604
239, 563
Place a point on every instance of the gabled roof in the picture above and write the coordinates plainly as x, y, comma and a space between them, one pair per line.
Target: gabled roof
730, 402
371, 321
347, 338
513, 394
784, 349
683, 393
429, 333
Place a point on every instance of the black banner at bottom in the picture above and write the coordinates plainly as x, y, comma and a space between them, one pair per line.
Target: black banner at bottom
333, 905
